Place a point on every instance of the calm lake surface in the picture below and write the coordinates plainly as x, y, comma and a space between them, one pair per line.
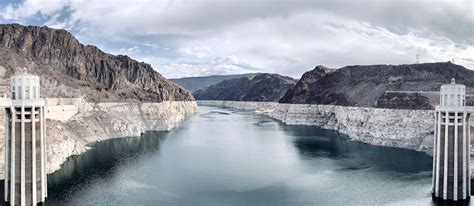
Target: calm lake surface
227, 157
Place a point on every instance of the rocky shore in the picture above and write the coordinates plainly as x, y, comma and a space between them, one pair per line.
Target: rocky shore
114, 88
100, 121
409, 129
401, 128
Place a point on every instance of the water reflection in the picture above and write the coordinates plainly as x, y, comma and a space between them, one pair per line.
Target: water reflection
224, 157
100, 162
313, 142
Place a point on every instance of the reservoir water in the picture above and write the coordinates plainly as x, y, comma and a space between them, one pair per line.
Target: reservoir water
227, 157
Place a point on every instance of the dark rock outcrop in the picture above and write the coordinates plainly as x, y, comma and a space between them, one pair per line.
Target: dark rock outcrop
366, 85
67, 66
303, 85
263, 88
395, 100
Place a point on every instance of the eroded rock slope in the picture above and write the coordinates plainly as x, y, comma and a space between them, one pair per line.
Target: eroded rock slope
365, 86
68, 67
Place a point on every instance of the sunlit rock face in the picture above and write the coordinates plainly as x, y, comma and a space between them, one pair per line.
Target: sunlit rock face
99, 121
410, 129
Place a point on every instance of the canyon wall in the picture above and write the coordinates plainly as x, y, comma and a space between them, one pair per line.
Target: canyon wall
410, 129
100, 121
68, 68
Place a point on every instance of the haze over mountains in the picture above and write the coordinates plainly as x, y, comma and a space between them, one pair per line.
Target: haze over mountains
69, 68
200, 83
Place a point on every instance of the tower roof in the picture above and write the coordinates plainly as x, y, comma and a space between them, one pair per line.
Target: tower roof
452, 84
23, 72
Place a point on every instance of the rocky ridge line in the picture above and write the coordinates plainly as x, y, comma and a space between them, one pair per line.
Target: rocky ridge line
263, 88
68, 67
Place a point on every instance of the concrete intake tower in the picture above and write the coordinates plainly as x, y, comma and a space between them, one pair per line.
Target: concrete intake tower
25, 176
451, 173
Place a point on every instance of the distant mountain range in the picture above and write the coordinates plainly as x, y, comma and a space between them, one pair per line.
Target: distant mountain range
408, 86
200, 83
69, 68
372, 85
262, 87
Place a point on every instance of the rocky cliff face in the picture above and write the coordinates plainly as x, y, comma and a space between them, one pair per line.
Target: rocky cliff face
393, 100
365, 85
409, 129
306, 85
263, 87
100, 121
68, 67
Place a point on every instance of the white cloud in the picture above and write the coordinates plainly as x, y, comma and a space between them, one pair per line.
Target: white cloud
200, 52
271, 35
129, 51
153, 46
55, 22
293, 44
221, 65
31, 8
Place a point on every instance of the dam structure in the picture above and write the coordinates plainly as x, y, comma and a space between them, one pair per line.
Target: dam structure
25, 134
451, 150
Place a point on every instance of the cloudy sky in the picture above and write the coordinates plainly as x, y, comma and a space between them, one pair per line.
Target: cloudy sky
182, 38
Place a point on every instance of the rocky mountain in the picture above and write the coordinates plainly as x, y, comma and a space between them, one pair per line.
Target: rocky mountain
200, 83
372, 85
69, 68
302, 86
404, 100
263, 87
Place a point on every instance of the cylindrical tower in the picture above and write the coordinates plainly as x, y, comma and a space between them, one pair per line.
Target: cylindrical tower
451, 174
25, 177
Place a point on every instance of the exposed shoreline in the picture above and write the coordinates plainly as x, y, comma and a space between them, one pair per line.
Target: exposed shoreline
408, 129
100, 121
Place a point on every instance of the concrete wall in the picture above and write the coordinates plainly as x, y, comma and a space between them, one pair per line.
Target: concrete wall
62, 109
63, 101
61, 112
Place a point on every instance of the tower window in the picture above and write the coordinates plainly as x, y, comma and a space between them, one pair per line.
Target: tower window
27, 92
34, 92
13, 93
19, 92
